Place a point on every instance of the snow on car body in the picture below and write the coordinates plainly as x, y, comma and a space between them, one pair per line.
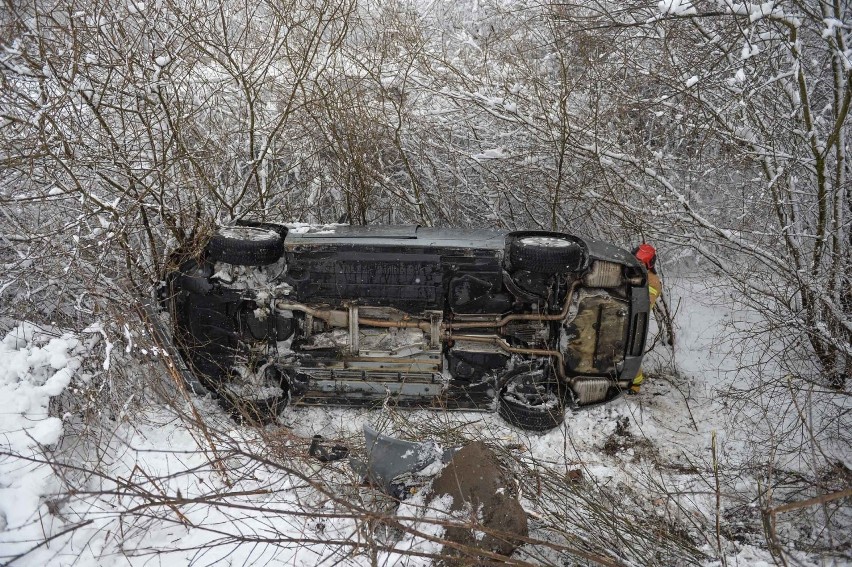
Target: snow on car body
449, 318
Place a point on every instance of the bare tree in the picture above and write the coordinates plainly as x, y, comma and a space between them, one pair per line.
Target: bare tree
751, 170
130, 129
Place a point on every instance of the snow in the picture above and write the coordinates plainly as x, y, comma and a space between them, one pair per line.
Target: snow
548, 241
676, 7
438, 510
304, 228
34, 367
135, 7
98, 327
831, 25
494, 153
749, 50
263, 279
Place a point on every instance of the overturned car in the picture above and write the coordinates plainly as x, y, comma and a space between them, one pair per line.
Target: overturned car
531, 321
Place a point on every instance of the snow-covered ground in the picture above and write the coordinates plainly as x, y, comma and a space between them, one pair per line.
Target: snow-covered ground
675, 475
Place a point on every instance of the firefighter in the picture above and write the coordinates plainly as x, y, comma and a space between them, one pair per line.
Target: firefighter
647, 254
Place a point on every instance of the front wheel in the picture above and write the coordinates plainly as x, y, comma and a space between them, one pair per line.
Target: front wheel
246, 246
531, 398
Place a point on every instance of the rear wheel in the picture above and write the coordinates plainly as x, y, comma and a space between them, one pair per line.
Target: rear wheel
246, 246
545, 254
531, 398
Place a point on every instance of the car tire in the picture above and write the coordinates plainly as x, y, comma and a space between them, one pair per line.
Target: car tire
530, 399
545, 254
246, 246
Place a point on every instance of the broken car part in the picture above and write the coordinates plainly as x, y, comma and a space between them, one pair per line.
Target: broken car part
391, 461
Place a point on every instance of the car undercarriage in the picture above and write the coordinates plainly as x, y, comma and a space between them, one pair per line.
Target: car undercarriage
528, 321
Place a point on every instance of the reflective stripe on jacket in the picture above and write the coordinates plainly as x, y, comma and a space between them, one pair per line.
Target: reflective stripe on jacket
655, 287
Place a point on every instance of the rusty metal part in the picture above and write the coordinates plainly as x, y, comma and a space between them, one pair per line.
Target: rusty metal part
520, 316
603, 274
591, 390
341, 318
422, 325
501, 343
330, 316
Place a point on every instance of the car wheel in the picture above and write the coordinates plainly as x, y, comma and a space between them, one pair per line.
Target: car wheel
531, 399
246, 246
545, 254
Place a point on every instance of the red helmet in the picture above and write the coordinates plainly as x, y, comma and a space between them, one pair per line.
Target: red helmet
646, 254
